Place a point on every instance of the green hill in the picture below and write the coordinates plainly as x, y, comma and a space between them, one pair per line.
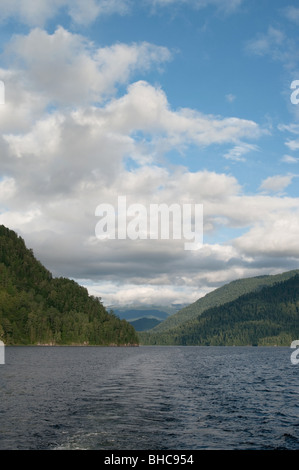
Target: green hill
36, 308
223, 294
269, 316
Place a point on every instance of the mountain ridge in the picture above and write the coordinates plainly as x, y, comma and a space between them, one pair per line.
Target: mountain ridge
217, 299
36, 308
225, 293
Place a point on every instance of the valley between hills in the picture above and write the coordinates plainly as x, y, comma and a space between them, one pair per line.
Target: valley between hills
36, 308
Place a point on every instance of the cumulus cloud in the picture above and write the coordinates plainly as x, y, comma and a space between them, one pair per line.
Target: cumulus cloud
84, 12
33, 13
146, 108
7, 189
276, 236
75, 114
69, 162
276, 183
61, 228
61, 165
130, 294
67, 69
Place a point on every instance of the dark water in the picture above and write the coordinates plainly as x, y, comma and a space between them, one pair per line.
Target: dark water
154, 398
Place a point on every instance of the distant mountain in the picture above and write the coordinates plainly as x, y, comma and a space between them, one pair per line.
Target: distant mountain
36, 308
143, 324
145, 317
184, 327
135, 314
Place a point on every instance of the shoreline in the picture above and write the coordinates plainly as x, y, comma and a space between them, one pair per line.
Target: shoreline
79, 345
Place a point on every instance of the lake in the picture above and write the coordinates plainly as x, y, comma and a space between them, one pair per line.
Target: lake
149, 397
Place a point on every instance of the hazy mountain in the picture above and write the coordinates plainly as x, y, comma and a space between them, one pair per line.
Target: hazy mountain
133, 314
143, 324
145, 317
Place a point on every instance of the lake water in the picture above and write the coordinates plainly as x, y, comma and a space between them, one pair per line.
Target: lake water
154, 398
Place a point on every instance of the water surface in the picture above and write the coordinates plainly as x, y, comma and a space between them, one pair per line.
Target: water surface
153, 398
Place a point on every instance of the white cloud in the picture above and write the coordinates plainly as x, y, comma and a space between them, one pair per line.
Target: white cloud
29, 11
293, 128
60, 228
62, 164
65, 68
293, 144
292, 13
37, 141
227, 6
267, 43
238, 151
72, 152
83, 12
22, 106
230, 97
289, 159
276, 236
129, 294
37, 13
59, 162
278, 46
7, 189
276, 183
145, 107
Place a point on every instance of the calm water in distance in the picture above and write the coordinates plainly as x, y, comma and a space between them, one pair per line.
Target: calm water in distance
157, 398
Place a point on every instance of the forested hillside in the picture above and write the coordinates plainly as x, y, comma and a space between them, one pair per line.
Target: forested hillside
267, 317
226, 293
36, 308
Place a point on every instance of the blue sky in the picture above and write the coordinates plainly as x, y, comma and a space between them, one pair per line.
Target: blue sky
162, 101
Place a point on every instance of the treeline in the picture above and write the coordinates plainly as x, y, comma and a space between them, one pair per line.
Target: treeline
267, 317
36, 308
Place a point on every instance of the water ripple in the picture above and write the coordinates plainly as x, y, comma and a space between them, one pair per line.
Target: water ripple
149, 398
